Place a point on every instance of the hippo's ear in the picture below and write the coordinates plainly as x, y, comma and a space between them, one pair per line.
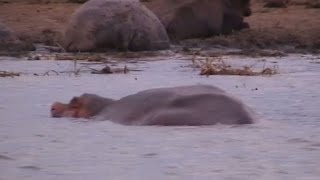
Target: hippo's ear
75, 102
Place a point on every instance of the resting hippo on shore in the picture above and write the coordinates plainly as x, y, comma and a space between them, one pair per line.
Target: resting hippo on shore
184, 105
9, 42
185, 19
5, 32
114, 24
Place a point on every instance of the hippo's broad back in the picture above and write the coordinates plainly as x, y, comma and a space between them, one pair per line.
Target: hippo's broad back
184, 105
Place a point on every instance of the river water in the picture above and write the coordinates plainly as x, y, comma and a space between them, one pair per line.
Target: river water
284, 144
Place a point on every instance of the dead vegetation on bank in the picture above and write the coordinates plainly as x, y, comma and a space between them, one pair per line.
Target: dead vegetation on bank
85, 68
216, 66
77, 69
106, 56
8, 74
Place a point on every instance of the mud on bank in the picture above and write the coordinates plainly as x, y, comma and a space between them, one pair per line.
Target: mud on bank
292, 29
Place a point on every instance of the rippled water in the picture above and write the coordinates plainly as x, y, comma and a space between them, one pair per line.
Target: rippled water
285, 144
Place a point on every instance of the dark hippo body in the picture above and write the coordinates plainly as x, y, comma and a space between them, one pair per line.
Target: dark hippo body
184, 105
114, 24
9, 41
185, 19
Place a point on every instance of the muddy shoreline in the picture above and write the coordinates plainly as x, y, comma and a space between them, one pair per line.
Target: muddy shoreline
282, 30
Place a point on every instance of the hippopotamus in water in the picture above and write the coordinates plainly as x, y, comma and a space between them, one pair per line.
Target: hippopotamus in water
185, 105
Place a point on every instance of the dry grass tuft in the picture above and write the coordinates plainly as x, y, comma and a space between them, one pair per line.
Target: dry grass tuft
8, 74
216, 66
80, 56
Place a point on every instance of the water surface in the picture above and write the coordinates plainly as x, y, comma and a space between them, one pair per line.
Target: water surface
285, 144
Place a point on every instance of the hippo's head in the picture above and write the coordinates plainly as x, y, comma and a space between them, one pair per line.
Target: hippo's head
243, 6
235, 11
84, 106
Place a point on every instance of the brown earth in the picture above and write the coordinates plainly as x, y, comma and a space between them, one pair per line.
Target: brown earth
292, 29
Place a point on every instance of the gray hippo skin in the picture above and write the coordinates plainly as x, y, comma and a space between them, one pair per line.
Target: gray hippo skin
186, 19
9, 41
185, 105
114, 24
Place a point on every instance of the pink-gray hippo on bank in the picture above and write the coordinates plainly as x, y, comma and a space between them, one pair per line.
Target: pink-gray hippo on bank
175, 106
114, 24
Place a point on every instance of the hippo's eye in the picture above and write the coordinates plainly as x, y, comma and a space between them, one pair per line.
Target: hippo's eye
53, 109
